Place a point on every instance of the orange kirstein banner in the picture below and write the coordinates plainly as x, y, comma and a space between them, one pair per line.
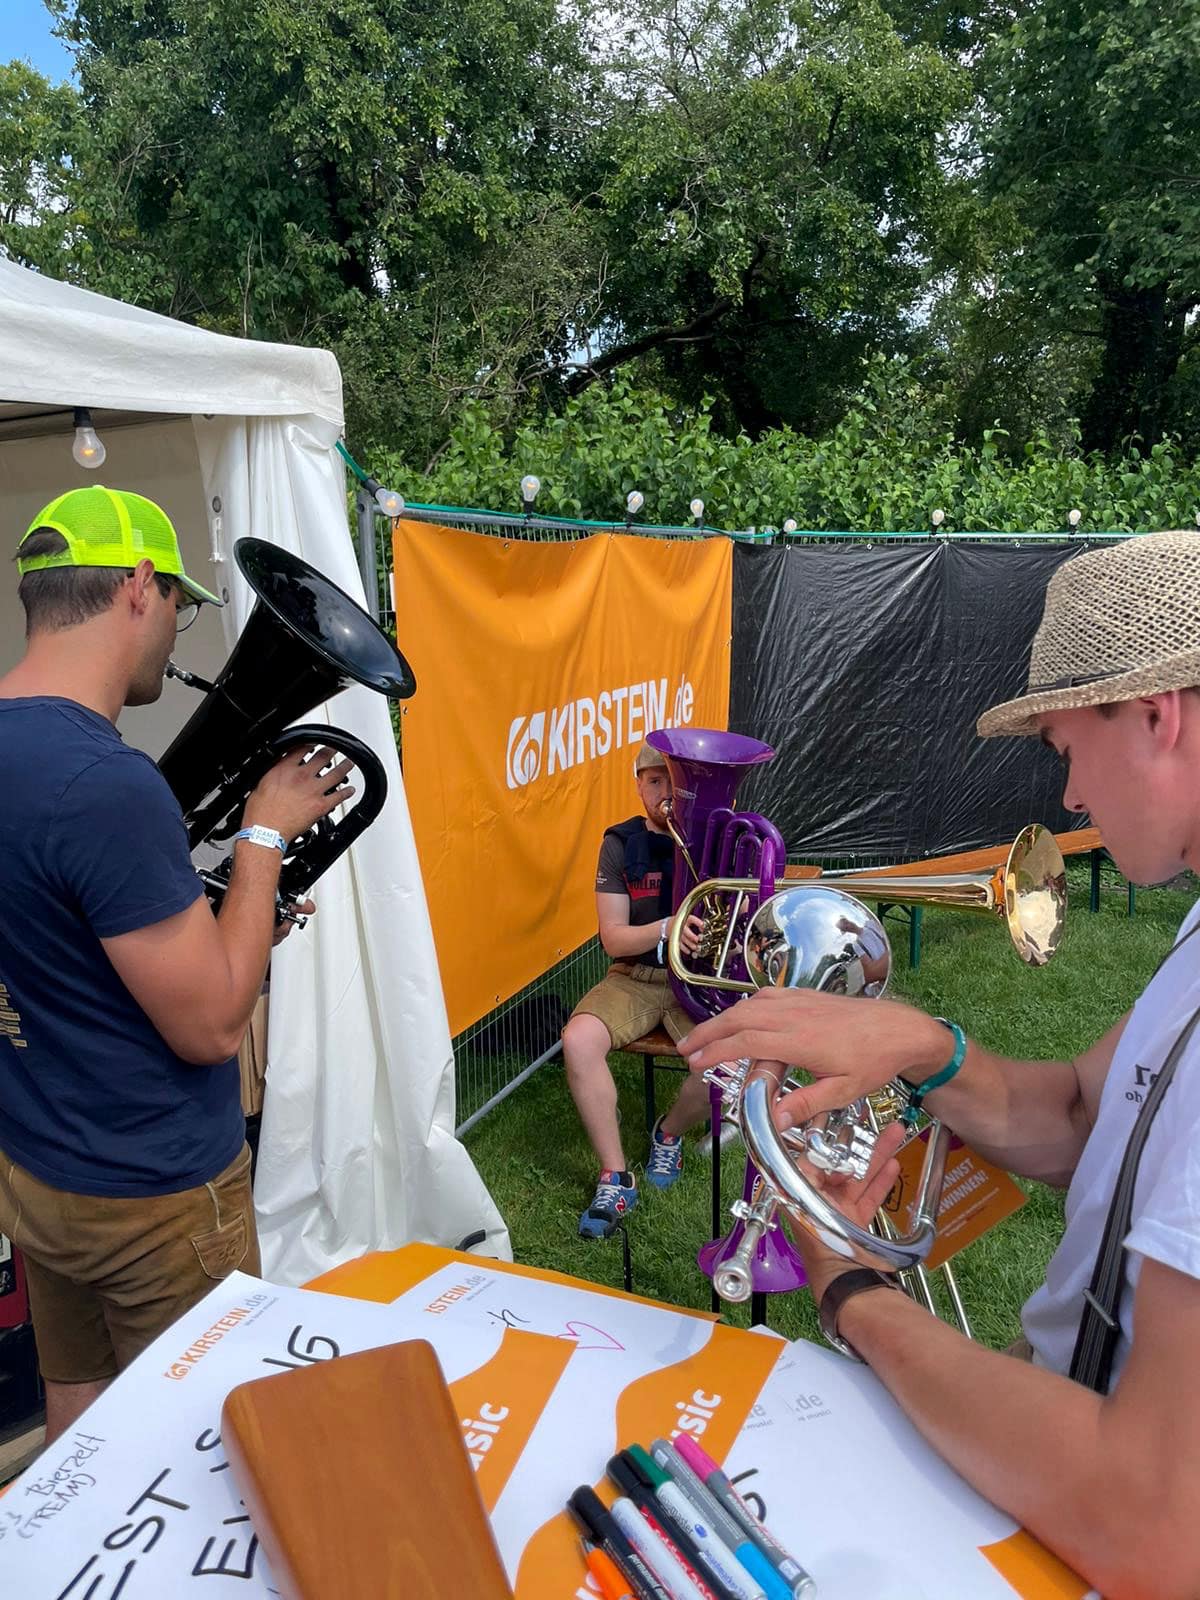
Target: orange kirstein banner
541, 668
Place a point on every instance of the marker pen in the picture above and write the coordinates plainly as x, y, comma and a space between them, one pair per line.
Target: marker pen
803, 1584
632, 1485
670, 1572
715, 1553
650, 1477
586, 1506
752, 1559
610, 1580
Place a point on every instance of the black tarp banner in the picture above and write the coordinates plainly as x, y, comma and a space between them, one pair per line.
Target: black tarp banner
866, 668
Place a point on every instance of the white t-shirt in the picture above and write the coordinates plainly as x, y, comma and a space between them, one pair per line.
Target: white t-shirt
1166, 1202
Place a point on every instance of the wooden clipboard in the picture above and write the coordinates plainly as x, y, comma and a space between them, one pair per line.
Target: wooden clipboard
358, 1482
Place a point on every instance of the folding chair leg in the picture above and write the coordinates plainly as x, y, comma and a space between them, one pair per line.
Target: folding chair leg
648, 1090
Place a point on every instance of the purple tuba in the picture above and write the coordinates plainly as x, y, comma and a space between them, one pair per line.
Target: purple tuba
712, 840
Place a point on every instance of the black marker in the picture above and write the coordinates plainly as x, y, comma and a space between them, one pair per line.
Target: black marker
626, 1472
586, 1506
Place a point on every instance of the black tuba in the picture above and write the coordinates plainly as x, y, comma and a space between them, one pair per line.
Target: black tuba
303, 643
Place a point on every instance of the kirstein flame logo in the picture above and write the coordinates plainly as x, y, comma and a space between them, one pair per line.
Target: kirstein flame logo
526, 736
588, 727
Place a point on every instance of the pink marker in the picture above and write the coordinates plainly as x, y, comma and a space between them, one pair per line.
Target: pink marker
801, 1583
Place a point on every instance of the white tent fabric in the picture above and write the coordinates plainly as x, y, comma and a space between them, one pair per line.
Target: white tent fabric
358, 1151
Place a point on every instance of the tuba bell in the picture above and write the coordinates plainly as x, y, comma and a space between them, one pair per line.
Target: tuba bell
304, 641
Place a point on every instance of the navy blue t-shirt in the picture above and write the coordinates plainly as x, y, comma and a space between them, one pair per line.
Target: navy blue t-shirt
92, 845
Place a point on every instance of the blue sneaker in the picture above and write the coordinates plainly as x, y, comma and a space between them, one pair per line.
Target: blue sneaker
615, 1197
665, 1161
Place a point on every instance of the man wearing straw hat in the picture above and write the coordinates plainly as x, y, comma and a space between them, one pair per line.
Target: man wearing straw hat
1095, 1445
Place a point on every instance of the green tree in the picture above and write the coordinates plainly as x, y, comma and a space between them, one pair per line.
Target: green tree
1092, 134
362, 173
765, 191
38, 133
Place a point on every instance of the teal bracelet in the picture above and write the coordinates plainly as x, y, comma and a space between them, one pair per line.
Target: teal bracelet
916, 1096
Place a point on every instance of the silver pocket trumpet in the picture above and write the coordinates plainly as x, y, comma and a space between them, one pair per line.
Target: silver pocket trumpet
761, 930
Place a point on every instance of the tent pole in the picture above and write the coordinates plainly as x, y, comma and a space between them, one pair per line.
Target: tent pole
365, 507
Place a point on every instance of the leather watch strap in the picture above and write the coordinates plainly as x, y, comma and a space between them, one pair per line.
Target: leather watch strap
844, 1287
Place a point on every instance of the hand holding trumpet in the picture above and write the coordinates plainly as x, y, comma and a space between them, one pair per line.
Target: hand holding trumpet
858, 1199
851, 1047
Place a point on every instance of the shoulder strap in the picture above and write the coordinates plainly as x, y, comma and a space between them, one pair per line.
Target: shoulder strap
627, 829
1100, 1324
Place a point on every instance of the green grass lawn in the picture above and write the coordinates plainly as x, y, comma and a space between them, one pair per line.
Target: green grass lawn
534, 1158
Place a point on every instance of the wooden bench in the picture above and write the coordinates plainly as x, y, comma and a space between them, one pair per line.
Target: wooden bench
1075, 842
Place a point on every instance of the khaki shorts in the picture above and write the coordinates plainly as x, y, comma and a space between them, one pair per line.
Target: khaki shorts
630, 1000
106, 1276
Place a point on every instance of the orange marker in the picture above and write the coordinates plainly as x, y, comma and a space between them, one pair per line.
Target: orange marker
613, 1584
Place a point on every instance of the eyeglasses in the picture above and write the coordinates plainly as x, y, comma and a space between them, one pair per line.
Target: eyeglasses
186, 609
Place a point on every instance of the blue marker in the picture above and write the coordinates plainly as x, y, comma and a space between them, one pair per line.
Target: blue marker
727, 1574
766, 1580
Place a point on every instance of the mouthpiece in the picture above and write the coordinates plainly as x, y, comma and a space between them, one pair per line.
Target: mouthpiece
192, 679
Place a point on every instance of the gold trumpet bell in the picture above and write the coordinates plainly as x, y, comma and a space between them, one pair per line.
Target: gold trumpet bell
1028, 891
1035, 894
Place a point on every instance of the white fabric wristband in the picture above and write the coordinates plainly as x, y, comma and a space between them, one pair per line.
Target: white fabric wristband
264, 836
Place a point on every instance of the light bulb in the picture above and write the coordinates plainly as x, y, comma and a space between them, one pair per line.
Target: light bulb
790, 525
530, 488
634, 501
1074, 517
937, 517
389, 502
696, 507
88, 447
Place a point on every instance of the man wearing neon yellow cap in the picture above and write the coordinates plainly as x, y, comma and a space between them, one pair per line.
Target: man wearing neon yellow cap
124, 1176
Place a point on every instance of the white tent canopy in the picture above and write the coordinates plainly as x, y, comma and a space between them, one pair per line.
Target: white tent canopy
236, 437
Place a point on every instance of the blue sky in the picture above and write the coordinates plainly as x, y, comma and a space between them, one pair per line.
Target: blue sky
25, 32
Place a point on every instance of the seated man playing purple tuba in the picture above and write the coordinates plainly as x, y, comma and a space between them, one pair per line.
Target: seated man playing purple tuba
633, 908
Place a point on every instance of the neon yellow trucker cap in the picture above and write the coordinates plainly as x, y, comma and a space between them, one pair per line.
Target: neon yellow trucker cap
111, 528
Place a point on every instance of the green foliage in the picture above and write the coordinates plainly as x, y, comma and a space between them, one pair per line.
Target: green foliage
38, 130
494, 202
883, 467
764, 195
485, 208
367, 174
1092, 134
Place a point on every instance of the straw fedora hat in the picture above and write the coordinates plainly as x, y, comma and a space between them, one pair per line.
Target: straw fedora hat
1119, 622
